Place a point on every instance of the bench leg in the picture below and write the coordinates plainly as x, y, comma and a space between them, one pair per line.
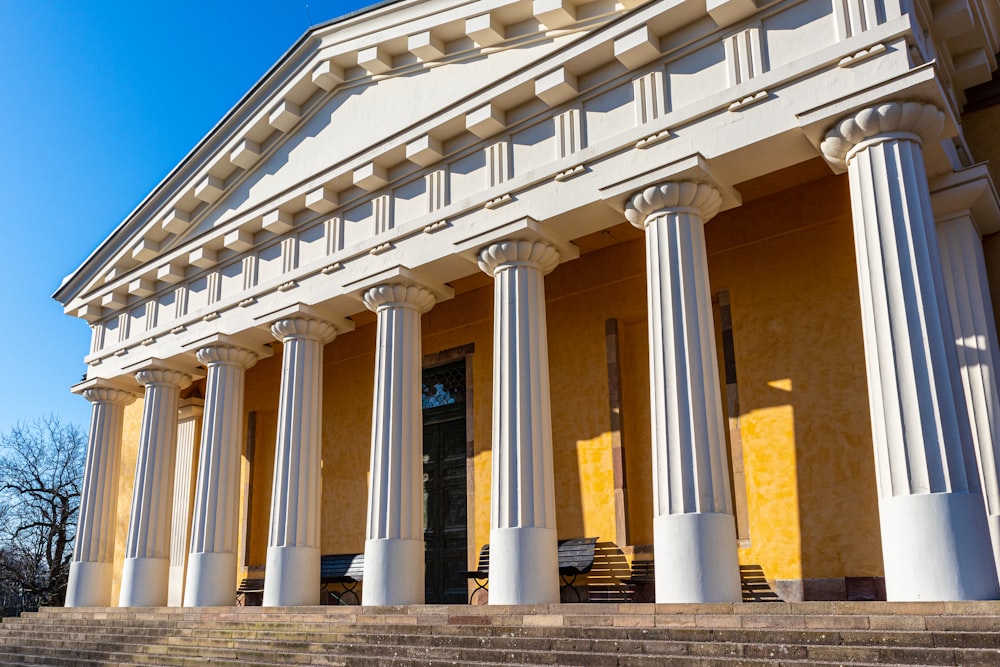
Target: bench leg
481, 585
570, 584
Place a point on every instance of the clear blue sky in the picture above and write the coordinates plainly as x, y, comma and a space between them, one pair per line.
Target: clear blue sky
99, 100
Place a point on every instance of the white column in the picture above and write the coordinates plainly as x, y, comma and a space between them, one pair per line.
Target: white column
146, 570
394, 548
91, 569
694, 530
935, 540
211, 576
293, 551
524, 564
978, 354
188, 431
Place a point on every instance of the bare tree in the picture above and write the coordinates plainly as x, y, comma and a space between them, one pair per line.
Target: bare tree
41, 469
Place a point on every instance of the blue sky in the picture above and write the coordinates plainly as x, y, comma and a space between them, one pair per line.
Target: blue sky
99, 100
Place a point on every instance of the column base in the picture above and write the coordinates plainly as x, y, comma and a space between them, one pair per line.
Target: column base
936, 546
524, 566
144, 582
994, 523
175, 586
394, 572
89, 584
211, 580
696, 558
292, 577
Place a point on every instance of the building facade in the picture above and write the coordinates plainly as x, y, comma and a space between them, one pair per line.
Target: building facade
663, 273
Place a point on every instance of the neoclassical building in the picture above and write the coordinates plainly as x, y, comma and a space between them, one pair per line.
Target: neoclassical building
708, 281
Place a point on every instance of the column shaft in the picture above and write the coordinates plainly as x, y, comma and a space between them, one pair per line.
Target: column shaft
694, 530
91, 570
211, 575
146, 569
975, 333
935, 540
394, 549
185, 469
293, 552
523, 539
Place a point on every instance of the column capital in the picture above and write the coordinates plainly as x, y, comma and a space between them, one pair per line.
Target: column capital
912, 120
304, 327
105, 394
226, 354
506, 254
166, 376
399, 295
673, 196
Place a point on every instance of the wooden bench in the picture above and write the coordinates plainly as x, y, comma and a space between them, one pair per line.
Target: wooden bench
481, 574
576, 557
250, 592
642, 581
346, 570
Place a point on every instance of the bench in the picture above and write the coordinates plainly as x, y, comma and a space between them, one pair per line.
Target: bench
250, 592
347, 570
755, 588
576, 557
641, 581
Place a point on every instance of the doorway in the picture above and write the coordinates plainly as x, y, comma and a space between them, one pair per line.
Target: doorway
445, 510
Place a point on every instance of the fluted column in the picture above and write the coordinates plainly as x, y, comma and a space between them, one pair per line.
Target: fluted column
90, 572
694, 530
975, 337
211, 576
394, 549
188, 431
146, 570
935, 540
293, 547
523, 549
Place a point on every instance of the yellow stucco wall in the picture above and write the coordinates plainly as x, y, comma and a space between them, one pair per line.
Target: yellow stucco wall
980, 128
787, 260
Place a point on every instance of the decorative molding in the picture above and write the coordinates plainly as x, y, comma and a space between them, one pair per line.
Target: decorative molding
671, 196
921, 120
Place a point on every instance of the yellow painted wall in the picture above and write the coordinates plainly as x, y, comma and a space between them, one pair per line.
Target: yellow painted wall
786, 259
980, 129
126, 479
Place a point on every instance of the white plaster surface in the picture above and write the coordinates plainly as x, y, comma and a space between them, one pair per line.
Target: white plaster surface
695, 557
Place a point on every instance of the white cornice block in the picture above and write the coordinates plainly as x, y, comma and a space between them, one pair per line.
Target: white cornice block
285, 116
485, 30
203, 258
425, 46
238, 240
486, 121
375, 59
727, 12
556, 87
145, 250
209, 189
246, 154
322, 200
371, 177
278, 221
141, 287
176, 221
327, 76
555, 13
972, 68
114, 300
952, 18
90, 312
637, 48
170, 273
425, 151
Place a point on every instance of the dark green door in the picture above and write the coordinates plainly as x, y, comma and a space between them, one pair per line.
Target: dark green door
445, 527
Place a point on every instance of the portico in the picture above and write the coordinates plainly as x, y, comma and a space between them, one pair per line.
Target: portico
578, 164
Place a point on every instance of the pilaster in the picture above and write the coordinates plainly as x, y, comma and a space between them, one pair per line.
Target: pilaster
935, 540
145, 572
91, 570
523, 544
694, 530
293, 551
394, 548
211, 575
186, 466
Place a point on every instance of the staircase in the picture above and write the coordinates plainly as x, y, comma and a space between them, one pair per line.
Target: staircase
640, 635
